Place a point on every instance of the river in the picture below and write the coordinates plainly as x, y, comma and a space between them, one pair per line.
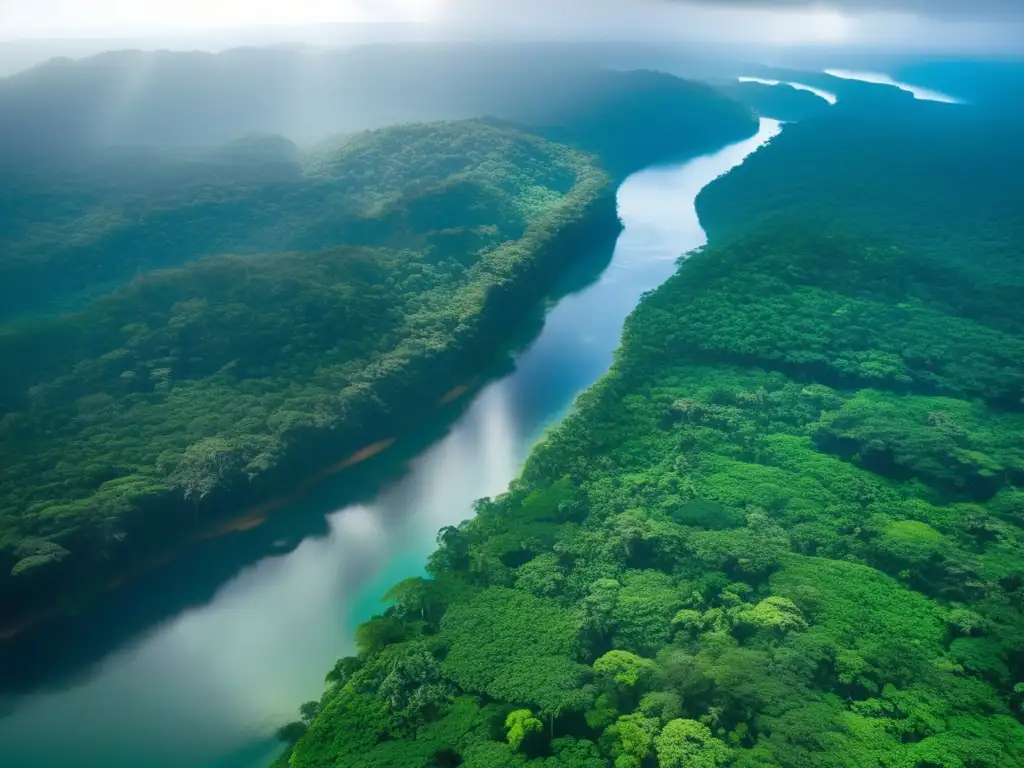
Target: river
206, 685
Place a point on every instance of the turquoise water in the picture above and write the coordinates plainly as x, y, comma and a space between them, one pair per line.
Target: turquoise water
205, 686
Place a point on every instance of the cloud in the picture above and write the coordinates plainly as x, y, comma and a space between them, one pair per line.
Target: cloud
981, 9
936, 25
954, 26
590, 9
28, 17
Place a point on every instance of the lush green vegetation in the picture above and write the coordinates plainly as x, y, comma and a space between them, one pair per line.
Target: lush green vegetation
126, 420
784, 531
402, 188
933, 179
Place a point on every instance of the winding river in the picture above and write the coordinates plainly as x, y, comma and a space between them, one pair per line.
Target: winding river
205, 686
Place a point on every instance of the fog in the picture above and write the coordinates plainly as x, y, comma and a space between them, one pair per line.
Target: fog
60, 26
304, 85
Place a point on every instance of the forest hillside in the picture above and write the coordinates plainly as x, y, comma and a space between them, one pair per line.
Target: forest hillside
129, 417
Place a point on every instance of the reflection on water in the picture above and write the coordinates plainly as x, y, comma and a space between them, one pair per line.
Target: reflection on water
207, 687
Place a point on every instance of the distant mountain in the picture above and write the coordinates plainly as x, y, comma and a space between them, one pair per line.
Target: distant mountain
633, 119
80, 217
162, 98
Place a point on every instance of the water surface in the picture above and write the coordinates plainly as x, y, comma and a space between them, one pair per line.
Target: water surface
206, 687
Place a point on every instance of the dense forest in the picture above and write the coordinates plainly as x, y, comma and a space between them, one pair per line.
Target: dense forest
867, 163
160, 396
185, 327
83, 231
784, 531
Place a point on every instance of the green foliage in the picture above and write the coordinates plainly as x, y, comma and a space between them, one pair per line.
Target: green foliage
643, 612
542, 575
875, 630
784, 530
624, 667
933, 180
943, 441
515, 647
520, 724
774, 613
689, 744
179, 392
633, 736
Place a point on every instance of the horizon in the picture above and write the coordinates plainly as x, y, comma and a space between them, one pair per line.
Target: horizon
228, 23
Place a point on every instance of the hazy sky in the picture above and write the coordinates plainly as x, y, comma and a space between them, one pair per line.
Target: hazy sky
42, 17
995, 8
958, 23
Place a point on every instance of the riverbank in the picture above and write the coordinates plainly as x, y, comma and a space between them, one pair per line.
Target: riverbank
247, 520
502, 285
